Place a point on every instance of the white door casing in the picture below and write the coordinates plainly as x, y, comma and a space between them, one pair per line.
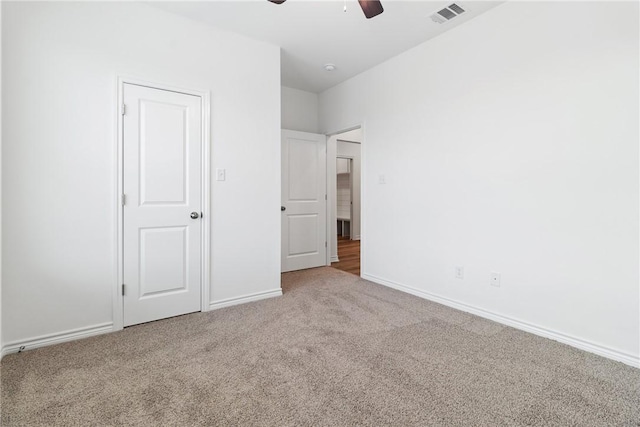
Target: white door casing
162, 173
304, 218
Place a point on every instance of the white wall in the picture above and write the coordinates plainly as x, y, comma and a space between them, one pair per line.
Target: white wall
352, 150
509, 144
343, 194
1, 341
60, 64
299, 110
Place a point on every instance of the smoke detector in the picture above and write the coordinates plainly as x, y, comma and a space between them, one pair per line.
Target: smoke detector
329, 67
447, 14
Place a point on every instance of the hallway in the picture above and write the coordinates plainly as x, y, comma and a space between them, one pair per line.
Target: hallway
349, 256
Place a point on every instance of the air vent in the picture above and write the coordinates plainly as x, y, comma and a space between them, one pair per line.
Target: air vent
457, 9
447, 14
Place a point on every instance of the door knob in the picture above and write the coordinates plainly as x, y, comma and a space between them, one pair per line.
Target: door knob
282, 208
194, 215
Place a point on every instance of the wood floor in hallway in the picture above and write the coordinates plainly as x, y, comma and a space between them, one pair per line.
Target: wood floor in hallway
349, 256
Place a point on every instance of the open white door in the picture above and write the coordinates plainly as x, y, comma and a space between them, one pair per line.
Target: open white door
162, 210
304, 211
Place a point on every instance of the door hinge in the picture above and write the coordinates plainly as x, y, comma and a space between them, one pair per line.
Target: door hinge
123, 199
325, 244
123, 289
124, 109
325, 197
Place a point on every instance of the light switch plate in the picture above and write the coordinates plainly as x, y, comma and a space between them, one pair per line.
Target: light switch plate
221, 174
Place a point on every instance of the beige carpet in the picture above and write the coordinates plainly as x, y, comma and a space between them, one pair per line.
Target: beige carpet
335, 350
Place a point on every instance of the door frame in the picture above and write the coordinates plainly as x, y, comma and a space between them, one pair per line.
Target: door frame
205, 259
331, 169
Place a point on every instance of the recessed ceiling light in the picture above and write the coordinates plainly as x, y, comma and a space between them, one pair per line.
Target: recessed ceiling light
329, 67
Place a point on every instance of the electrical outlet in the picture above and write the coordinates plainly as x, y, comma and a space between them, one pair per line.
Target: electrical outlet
495, 279
459, 271
382, 179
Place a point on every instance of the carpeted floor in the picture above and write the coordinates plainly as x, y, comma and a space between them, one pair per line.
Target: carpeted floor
334, 350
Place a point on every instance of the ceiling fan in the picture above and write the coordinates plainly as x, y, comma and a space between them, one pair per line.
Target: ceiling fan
370, 8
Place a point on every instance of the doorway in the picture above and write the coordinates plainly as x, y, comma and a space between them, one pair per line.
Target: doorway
163, 174
346, 198
310, 222
303, 200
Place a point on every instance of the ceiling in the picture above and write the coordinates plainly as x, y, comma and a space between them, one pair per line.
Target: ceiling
313, 33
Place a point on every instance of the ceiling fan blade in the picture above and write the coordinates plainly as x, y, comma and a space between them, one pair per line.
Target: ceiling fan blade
371, 8
277, 1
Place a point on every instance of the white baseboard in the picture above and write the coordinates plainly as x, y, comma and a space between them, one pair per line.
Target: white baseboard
335, 259
214, 305
356, 238
57, 338
591, 347
102, 328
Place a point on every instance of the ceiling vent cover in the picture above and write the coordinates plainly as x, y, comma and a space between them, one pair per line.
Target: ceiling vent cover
447, 14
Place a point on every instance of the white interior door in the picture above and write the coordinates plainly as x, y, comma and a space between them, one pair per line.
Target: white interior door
304, 184
162, 209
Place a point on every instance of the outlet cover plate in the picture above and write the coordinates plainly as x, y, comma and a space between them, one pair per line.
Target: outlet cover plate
459, 272
495, 279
